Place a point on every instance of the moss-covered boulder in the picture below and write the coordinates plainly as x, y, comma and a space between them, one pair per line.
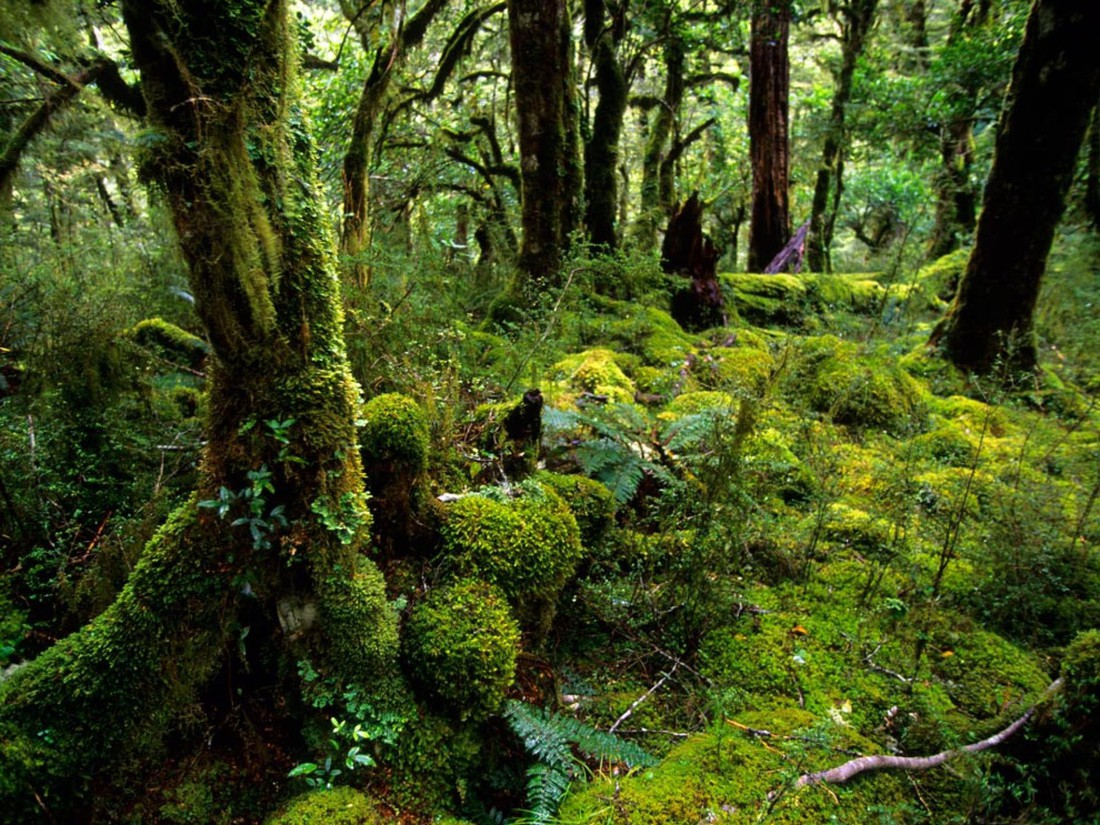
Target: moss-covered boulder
460, 646
527, 545
394, 436
592, 504
332, 806
594, 372
769, 299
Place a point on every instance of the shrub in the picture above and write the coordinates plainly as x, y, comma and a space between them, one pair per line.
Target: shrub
460, 645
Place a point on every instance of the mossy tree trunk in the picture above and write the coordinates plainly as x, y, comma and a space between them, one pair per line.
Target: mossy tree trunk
769, 85
601, 151
857, 17
1054, 83
234, 160
549, 132
656, 175
1092, 177
355, 235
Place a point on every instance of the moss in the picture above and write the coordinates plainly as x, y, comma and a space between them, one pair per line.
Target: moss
728, 776
768, 299
858, 530
433, 762
646, 331
334, 806
593, 371
170, 341
528, 545
855, 388
937, 281
746, 369
460, 644
394, 434
951, 444
855, 292
769, 460
691, 403
592, 504
359, 626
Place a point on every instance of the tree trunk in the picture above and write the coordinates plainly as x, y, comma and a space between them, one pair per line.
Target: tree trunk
956, 207
687, 251
549, 141
601, 154
1092, 180
1054, 84
653, 208
355, 236
769, 66
859, 16
270, 541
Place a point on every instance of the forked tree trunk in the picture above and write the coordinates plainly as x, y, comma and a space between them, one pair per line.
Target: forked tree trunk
1054, 84
769, 87
234, 159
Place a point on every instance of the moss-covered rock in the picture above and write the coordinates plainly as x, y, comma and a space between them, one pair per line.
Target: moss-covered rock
937, 281
460, 645
769, 299
855, 388
592, 504
333, 806
394, 434
593, 371
527, 545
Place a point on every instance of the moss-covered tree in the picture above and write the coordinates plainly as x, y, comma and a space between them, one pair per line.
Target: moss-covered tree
549, 137
1054, 85
276, 548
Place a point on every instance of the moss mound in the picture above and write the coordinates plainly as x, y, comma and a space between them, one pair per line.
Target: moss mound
394, 434
335, 806
593, 371
527, 545
592, 504
460, 645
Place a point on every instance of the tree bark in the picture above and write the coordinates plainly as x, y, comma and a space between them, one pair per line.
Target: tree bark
1054, 84
601, 152
769, 87
858, 17
355, 236
549, 137
1092, 179
235, 163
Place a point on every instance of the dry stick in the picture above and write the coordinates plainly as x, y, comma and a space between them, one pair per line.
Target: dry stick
842, 773
642, 698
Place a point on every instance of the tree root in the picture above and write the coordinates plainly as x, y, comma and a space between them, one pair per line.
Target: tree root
854, 767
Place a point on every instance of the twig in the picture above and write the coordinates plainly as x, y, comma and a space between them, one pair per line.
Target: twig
854, 767
645, 731
642, 698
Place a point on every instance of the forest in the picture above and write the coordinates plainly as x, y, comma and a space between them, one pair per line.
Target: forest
537, 412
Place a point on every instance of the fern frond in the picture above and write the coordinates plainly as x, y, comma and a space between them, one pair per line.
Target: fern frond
541, 736
546, 785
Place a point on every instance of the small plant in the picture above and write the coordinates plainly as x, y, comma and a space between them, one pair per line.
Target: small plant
346, 743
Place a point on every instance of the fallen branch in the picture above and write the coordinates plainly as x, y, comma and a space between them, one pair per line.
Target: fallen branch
642, 698
854, 767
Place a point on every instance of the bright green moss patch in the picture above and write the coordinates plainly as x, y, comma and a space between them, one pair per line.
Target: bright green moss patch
593, 371
938, 280
461, 644
335, 806
359, 625
527, 545
691, 403
170, 342
394, 433
592, 504
768, 299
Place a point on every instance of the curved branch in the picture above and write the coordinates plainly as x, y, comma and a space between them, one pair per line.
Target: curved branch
854, 767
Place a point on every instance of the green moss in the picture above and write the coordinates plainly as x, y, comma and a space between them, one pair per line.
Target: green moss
937, 281
855, 388
744, 368
691, 403
335, 806
951, 444
433, 763
170, 341
528, 545
593, 371
592, 504
394, 433
858, 530
768, 299
853, 292
358, 624
460, 644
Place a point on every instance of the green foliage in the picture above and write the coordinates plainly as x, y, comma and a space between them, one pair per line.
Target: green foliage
528, 546
592, 504
460, 644
550, 738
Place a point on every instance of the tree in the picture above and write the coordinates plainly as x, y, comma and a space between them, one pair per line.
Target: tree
270, 541
769, 85
857, 18
355, 237
549, 132
601, 151
1054, 84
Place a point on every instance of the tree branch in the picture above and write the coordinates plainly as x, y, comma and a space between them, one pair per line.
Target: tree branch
854, 767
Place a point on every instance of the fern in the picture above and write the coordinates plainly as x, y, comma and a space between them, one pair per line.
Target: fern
550, 738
